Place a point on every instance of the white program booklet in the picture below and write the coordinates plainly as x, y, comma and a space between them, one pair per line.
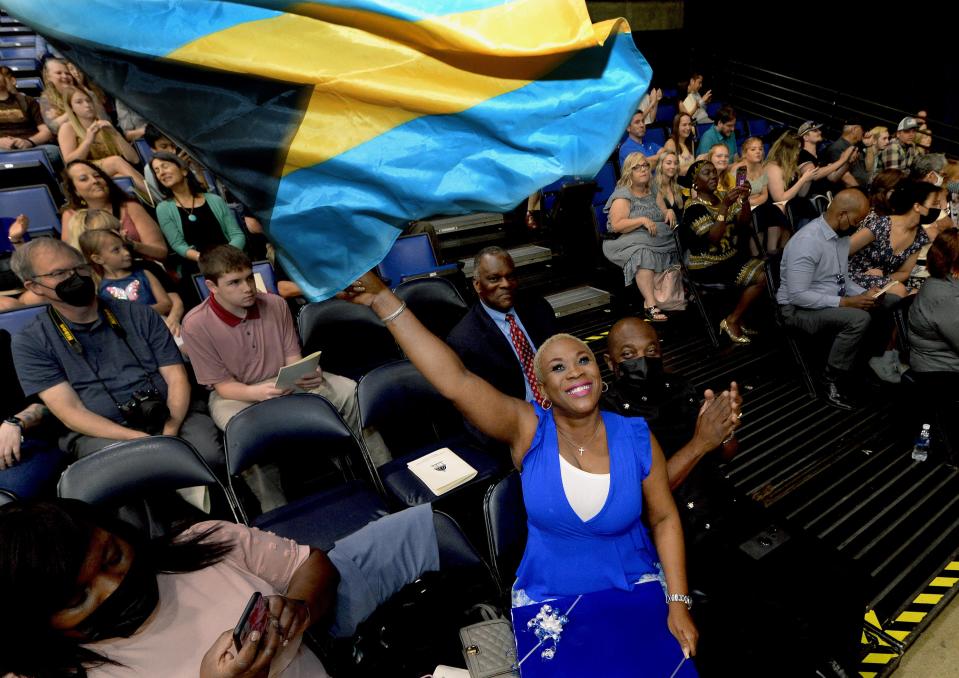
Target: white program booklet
442, 470
286, 379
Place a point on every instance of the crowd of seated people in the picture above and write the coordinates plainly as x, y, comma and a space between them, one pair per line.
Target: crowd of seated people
116, 314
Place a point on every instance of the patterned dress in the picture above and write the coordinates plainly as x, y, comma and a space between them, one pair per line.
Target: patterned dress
879, 254
725, 261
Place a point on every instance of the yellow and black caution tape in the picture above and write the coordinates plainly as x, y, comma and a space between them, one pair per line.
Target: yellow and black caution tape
878, 654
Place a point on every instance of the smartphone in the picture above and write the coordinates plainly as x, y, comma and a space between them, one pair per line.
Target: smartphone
254, 618
740, 177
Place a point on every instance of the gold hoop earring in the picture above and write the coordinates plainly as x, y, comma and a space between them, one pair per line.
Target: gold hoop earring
605, 387
546, 404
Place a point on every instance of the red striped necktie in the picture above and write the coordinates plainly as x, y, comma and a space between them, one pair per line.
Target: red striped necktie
525, 353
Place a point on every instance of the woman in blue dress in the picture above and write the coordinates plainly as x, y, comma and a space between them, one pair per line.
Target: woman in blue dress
588, 479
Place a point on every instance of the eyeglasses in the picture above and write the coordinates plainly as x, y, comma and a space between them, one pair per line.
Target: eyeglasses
644, 165
62, 274
841, 281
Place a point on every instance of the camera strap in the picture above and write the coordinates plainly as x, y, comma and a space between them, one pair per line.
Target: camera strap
68, 336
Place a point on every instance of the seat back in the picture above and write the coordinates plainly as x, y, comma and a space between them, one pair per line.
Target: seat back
125, 183
35, 202
262, 269
19, 155
18, 52
435, 301
29, 171
657, 135
404, 407
143, 148
352, 338
665, 113
15, 320
303, 434
506, 530
606, 181
28, 66
137, 480
410, 255
32, 87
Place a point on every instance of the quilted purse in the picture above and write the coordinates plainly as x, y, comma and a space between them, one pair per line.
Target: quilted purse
489, 649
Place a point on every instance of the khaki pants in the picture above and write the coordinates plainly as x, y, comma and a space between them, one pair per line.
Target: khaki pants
264, 479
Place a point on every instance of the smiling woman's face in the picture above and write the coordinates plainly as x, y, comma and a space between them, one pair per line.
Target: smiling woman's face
571, 377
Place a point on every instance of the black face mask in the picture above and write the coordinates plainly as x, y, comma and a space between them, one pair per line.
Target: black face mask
929, 217
645, 370
124, 610
77, 290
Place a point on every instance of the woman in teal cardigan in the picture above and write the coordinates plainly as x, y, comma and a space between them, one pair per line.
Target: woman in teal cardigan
192, 221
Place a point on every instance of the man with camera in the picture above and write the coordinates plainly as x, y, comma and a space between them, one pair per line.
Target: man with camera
109, 370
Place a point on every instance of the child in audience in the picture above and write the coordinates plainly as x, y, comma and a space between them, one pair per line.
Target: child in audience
84, 136
119, 278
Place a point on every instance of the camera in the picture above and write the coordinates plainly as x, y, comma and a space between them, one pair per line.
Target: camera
145, 411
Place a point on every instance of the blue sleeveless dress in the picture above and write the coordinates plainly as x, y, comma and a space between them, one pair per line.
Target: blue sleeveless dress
610, 558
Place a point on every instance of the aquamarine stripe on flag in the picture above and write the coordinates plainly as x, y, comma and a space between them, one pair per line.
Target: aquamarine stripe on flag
488, 157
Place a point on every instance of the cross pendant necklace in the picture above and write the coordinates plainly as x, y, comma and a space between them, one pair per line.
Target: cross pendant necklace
581, 448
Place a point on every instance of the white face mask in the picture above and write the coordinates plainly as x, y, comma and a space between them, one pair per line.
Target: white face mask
939, 179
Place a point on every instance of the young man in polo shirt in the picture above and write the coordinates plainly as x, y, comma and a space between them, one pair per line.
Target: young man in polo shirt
238, 339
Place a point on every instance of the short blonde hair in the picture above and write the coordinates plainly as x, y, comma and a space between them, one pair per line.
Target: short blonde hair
538, 359
629, 164
91, 220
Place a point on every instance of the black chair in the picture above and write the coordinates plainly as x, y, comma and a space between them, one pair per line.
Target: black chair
435, 301
136, 479
414, 420
790, 334
316, 453
506, 530
352, 338
6, 497
698, 289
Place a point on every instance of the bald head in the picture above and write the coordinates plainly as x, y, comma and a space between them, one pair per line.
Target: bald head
847, 210
631, 338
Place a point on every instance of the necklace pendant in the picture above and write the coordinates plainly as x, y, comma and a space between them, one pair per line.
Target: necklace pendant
192, 217
581, 450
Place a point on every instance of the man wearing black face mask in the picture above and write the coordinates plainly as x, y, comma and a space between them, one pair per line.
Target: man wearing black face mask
818, 296
109, 370
686, 427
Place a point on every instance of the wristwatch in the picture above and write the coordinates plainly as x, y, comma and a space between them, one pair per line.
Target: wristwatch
680, 598
14, 421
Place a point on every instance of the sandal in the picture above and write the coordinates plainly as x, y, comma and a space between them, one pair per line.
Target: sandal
654, 315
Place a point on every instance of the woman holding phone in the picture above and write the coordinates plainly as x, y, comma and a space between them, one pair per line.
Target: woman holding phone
95, 598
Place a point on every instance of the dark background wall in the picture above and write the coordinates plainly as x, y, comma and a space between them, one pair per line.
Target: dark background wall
906, 58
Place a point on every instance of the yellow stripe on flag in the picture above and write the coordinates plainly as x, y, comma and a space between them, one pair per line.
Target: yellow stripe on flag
367, 82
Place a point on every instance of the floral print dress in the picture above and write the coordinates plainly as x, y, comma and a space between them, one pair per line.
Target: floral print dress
879, 253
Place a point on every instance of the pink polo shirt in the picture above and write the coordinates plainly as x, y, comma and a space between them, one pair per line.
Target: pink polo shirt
224, 347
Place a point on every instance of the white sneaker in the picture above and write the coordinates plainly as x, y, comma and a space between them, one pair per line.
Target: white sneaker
884, 369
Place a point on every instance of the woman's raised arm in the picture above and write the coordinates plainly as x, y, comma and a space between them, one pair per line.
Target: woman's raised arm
496, 414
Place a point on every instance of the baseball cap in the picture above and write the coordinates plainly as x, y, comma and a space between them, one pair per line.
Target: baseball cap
808, 126
907, 124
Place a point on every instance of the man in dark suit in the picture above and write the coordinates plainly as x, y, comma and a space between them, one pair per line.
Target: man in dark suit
497, 338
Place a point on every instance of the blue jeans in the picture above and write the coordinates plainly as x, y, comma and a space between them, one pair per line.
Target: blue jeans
40, 465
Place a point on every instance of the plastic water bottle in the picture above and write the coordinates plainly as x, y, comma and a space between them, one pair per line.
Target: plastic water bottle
920, 451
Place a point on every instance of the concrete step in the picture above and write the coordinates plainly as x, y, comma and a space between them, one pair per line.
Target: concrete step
577, 299
522, 256
467, 222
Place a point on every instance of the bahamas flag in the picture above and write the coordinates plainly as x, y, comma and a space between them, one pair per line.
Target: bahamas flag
337, 122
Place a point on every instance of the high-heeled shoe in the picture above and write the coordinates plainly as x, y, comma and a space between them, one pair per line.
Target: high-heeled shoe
741, 339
